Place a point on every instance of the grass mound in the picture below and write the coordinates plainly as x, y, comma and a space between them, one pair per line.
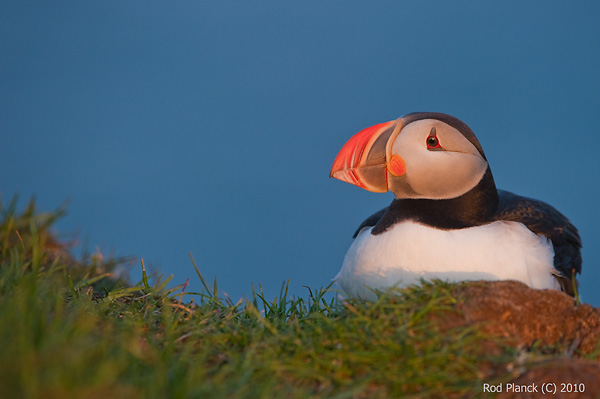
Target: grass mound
71, 329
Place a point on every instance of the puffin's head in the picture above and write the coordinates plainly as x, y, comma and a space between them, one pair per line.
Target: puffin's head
420, 155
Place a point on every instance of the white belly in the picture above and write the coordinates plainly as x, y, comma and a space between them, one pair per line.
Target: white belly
410, 251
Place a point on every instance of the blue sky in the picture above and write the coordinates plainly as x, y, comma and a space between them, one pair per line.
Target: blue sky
210, 127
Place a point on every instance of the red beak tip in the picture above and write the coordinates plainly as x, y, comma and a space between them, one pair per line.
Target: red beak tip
350, 163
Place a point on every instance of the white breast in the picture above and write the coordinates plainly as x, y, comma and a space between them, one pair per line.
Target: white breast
410, 251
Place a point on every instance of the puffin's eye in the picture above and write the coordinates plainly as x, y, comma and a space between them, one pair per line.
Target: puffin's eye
432, 141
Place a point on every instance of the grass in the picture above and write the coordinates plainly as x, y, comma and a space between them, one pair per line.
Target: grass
71, 329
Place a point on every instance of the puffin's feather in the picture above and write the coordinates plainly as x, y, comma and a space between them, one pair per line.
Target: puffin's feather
545, 220
539, 217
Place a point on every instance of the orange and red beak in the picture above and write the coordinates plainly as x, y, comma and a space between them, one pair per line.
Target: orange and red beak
366, 159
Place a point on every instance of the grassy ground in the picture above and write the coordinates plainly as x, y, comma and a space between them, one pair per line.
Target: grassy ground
69, 329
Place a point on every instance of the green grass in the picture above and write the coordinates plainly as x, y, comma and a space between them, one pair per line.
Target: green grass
69, 329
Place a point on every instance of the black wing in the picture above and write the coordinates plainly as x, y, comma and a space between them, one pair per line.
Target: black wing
370, 221
544, 219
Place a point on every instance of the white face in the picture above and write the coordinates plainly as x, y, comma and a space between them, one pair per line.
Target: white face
435, 172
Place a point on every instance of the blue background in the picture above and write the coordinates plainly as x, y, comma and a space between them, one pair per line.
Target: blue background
210, 127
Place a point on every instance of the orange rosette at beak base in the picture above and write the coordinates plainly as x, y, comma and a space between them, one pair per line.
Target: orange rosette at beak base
396, 165
362, 161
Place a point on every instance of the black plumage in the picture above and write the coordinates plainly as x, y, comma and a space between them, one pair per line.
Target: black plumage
544, 219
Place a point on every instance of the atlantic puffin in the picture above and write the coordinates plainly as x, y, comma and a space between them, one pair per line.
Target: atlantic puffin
448, 220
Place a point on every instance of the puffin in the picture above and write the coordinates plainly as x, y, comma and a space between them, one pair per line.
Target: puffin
447, 221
